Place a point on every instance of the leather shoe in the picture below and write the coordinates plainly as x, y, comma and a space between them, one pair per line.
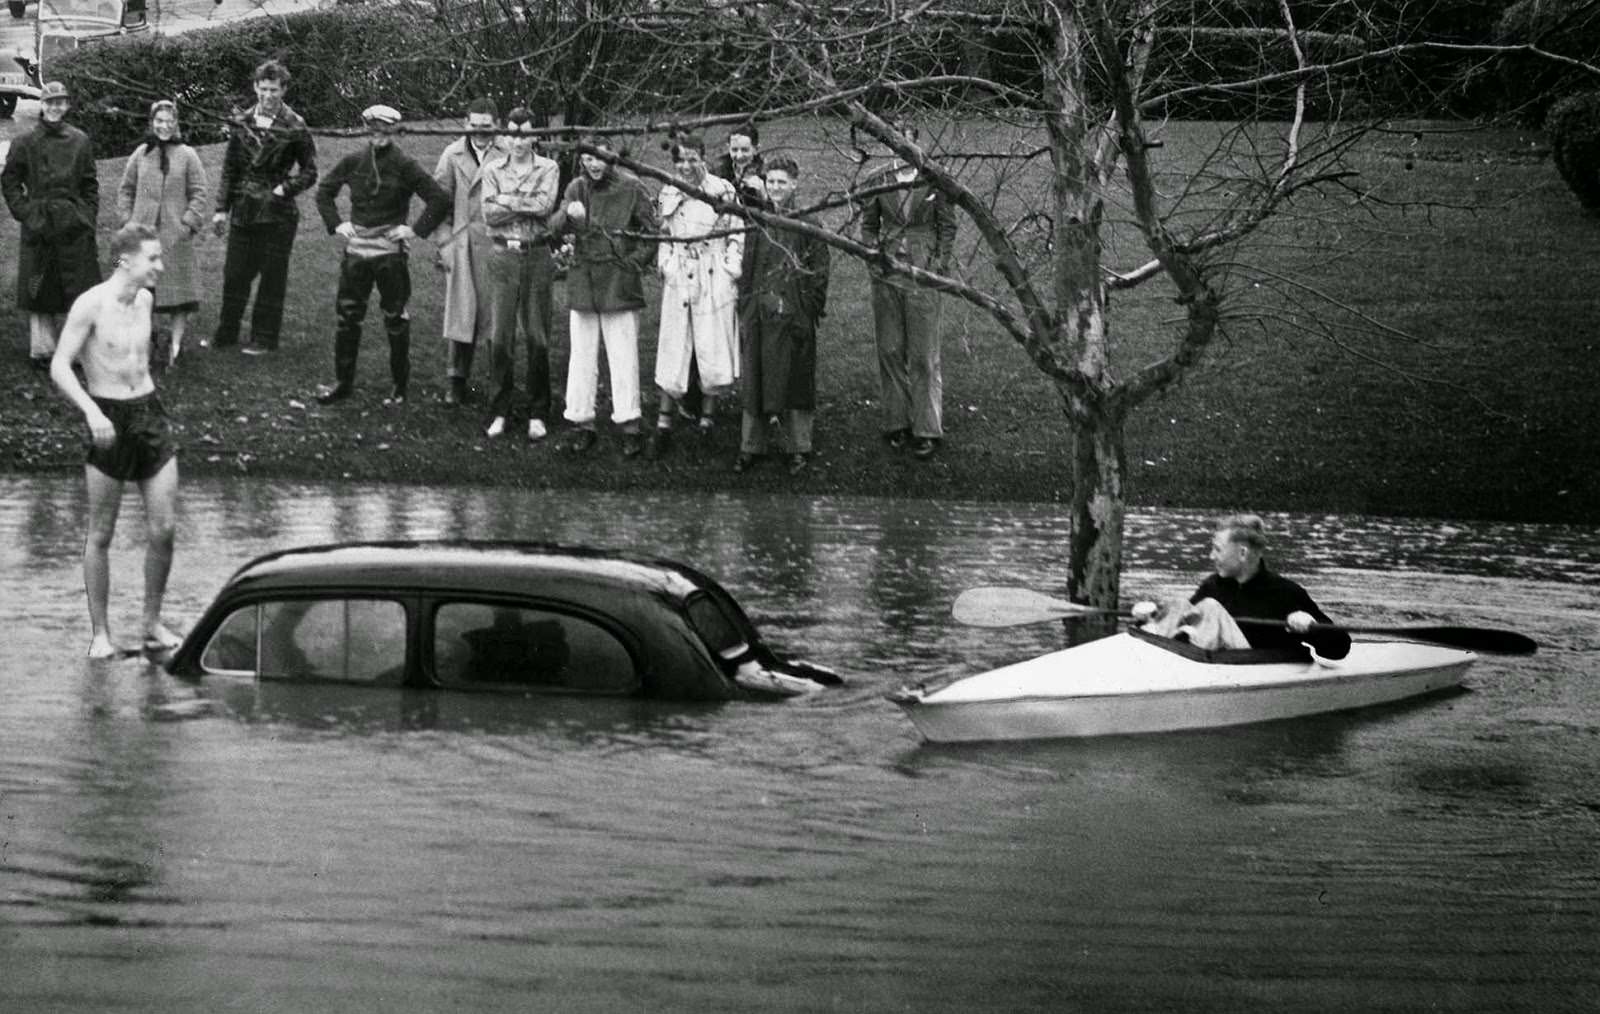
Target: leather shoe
457, 391
923, 447
744, 462
897, 438
797, 464
336, 393
632, 444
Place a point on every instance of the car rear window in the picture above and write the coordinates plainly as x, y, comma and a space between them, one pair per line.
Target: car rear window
720, 631
351, 640
479, 644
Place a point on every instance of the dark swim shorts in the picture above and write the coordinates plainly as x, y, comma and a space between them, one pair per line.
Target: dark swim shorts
144, 438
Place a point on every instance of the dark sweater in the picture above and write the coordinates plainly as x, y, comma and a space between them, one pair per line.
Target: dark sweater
382, 182
1269, 596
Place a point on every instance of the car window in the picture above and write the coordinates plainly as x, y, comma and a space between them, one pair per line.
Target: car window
720, 631
358, 640
478, 644
233, 647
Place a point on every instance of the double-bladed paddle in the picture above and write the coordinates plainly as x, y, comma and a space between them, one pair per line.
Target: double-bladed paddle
994, 606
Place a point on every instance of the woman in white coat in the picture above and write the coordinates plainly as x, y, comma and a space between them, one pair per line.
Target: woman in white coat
164, 186
699, 258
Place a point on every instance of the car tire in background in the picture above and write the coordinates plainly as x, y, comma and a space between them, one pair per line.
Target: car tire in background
17, 8
8, 105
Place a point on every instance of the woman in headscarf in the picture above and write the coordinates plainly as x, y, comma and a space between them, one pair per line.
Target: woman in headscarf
164, 187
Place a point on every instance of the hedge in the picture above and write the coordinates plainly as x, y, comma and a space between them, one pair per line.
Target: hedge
1531, 84
1574, 129
347, 57
342, 60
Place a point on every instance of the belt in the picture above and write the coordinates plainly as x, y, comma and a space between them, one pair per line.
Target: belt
516, 245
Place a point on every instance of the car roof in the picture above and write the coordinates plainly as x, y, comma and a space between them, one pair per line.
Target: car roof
478, 565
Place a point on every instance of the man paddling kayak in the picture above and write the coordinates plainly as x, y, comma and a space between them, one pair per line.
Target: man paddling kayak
1243, 585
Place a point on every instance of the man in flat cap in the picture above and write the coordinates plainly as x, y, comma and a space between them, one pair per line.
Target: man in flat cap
50, 186
382, 181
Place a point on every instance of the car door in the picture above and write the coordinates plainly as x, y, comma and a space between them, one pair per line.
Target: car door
487, 643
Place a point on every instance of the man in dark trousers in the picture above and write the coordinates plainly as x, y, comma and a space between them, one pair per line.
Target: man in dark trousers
50, 186
270, 159
382, 180
916, 225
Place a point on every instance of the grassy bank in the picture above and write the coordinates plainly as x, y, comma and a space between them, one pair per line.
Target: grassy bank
1491, 416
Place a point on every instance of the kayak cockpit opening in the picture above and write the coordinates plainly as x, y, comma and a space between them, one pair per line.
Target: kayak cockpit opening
1224, 656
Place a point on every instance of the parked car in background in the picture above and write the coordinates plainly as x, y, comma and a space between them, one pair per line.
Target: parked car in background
499, 616
28, 46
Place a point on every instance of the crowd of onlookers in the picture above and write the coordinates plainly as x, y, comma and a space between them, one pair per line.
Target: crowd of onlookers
740, 298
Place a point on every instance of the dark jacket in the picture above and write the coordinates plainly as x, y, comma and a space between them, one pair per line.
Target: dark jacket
257, 161
1269, 596
916, 225
783, 293
50, 186
724, 169
610, 252
382, 182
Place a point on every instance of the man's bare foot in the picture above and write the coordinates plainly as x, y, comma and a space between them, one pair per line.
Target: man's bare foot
100, 646
159, 638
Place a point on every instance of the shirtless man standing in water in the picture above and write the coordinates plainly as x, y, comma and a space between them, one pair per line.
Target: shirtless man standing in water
108, 331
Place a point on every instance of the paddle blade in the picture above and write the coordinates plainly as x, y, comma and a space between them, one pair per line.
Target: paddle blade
1484, 640
996, 606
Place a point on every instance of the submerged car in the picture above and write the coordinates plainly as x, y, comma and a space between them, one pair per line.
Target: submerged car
500, 616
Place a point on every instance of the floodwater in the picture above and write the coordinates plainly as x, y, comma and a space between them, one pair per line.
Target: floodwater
301, 849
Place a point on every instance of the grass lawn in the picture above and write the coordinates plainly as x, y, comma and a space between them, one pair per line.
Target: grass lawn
1490, 416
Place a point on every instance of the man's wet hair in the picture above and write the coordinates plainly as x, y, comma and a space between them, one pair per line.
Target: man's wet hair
272, 70
784, 163
518, 116
694, 142
484, 104
1247, 529
129, 238
749, 130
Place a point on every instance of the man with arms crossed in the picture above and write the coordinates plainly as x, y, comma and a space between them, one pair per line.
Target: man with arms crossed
108, 331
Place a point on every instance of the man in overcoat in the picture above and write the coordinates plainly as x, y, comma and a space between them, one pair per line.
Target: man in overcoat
783, 291
612, 220
916, 225
462, 243
50, 187
269, 161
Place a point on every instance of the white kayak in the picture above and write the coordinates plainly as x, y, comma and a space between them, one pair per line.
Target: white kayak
1132, 683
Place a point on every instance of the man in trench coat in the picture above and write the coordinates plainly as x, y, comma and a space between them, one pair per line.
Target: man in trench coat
462, 243
50, 186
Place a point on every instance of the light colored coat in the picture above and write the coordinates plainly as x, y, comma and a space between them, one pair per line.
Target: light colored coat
462, 239
175, 205
699, 291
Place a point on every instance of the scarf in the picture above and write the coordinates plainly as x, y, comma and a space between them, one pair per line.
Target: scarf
154, 143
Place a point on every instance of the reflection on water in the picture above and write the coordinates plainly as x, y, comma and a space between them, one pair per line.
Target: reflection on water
314, 848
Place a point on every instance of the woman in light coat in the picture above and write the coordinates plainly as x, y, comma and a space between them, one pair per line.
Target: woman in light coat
699, 257
164, 186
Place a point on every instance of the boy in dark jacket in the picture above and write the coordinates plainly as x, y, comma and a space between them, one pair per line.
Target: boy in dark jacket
382, 181
783, 289
269, 161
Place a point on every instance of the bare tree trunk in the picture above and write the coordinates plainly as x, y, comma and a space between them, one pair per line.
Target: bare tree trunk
1088, 391
1098, 508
